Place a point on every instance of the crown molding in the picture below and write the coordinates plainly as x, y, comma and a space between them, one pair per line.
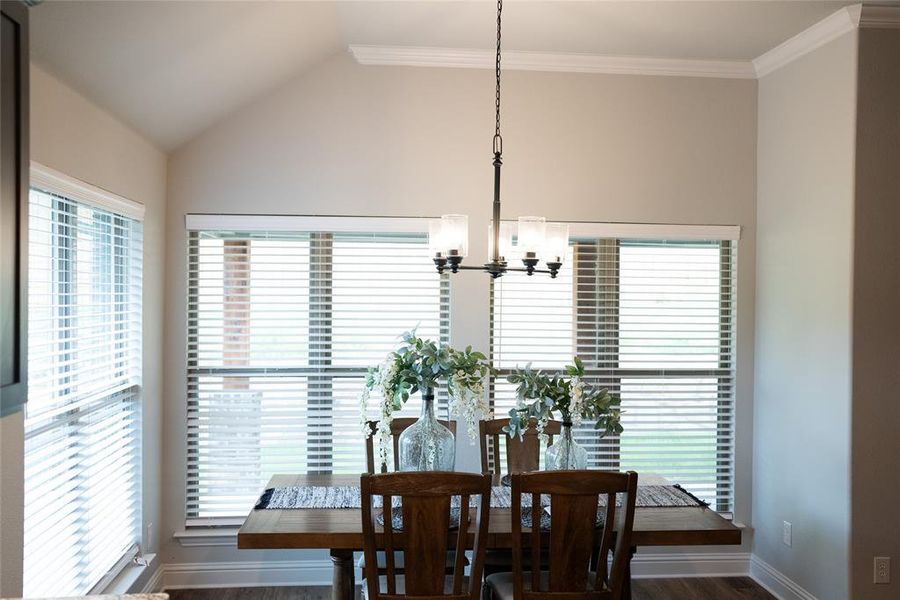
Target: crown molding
880, 17
830, 28
560, 62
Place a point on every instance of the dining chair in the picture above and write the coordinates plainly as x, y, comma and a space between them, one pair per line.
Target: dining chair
397, 427
424, 534
522, 455
574, 568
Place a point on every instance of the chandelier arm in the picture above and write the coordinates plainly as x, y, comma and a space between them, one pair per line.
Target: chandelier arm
504, 269
472, 268
549, 272
498, 270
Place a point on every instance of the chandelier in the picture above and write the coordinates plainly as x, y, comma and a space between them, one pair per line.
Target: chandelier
536, 239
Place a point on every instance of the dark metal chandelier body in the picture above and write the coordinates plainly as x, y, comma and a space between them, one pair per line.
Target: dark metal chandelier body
449, 253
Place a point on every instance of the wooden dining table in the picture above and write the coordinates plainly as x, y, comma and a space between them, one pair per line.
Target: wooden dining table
339, 530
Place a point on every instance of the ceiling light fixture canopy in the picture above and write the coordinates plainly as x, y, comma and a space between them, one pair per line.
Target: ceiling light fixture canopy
536, 239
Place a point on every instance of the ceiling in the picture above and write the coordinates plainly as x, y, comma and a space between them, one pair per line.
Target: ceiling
172, 69
738, 30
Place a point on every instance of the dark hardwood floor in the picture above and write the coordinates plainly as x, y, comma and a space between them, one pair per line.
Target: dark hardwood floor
699, 588
693, 588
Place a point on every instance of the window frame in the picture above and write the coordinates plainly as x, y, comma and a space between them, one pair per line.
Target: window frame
322, 231
608, 238
38, 421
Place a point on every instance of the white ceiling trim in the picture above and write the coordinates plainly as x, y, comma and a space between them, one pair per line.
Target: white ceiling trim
540, 61
880, 17
828, 29
50, 180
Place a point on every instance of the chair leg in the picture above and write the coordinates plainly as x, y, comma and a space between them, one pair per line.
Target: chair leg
626, 585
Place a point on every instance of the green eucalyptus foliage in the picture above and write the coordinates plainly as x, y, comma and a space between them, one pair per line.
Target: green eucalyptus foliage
541, 395
421, 363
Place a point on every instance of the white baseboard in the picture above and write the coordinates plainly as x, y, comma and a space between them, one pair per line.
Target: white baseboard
155, 583
247, 574
318, 572
777, 583
693, 564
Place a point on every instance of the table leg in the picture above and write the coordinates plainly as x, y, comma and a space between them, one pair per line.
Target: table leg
342, 585
626, 588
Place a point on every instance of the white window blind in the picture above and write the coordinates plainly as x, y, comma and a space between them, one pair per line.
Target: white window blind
281, 329
82, 428
654, 322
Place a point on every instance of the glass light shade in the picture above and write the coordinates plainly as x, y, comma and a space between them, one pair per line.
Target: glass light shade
436, 243
456, 234
531, 235
506, 237
556, 242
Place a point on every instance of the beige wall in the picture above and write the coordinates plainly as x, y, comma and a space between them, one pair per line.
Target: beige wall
876, 320
11, 505
344, 139
75, 137
351, 140
801, 456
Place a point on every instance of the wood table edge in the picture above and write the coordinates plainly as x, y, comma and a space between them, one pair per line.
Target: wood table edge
729, 535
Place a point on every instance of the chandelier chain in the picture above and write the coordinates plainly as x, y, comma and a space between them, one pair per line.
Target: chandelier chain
498, 140
449, 256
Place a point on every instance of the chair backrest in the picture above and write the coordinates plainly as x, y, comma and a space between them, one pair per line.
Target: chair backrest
397, 427
521, 455
426, 506
572, 539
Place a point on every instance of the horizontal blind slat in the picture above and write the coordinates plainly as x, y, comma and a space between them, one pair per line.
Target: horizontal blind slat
281, 329
82, 438
653, 321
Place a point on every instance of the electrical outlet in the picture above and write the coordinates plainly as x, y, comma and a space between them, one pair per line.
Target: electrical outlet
882, 569
786, 534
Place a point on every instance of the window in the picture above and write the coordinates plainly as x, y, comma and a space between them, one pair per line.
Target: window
652, 320
282, 326
82, 428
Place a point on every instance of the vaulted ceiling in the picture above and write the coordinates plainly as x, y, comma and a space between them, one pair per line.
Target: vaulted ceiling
172, 69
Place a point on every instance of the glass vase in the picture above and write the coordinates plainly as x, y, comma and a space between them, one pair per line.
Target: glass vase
565, 453
427, 445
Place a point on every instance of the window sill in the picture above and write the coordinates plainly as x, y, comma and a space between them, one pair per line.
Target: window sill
207, 536
128, 576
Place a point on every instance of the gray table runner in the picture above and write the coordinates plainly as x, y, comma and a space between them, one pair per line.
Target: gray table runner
348, 496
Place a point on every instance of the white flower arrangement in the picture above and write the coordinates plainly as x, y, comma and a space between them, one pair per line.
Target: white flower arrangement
420, 364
